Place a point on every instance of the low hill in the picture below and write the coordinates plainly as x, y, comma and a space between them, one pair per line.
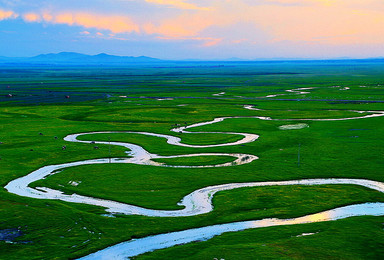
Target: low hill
69, 58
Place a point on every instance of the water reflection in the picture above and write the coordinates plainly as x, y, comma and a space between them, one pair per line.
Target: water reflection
140, 246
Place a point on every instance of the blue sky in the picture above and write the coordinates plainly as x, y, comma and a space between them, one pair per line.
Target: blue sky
185, 29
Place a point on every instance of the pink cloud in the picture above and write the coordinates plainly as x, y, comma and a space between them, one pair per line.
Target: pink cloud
7, 15
239, 41
212, 42
47, 17
113, 23
31, 17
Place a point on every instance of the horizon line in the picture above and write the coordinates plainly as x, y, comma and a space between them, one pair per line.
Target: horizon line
229, 59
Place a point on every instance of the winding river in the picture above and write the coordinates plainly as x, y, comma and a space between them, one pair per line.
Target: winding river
195, 203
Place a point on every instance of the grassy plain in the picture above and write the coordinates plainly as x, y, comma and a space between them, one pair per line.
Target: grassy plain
126, 99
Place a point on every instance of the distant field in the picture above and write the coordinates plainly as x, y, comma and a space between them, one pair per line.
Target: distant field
39, 106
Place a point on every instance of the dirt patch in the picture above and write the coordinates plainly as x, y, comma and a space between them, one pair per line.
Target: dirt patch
293, 127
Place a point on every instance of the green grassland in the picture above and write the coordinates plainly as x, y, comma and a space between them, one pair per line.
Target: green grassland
338, 149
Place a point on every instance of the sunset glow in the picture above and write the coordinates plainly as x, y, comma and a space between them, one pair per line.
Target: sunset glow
179, 29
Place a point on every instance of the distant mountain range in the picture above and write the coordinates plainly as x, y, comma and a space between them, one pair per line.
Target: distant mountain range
74, 58
78, 58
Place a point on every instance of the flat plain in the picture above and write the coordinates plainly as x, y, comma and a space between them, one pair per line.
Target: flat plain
41, 105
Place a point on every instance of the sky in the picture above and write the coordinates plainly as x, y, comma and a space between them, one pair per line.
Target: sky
194, 29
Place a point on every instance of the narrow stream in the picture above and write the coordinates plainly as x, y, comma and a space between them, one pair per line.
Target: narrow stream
140, 246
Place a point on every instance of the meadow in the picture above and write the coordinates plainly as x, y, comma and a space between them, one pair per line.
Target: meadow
40, 105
